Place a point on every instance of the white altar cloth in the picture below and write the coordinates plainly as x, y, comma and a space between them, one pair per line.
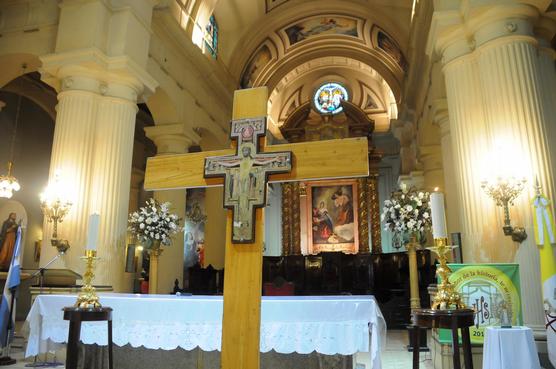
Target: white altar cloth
330, 325
510, 348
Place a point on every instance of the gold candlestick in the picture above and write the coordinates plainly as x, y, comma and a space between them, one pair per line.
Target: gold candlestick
88, 298
446, 297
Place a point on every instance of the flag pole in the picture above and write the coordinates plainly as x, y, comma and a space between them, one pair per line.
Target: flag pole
5, 359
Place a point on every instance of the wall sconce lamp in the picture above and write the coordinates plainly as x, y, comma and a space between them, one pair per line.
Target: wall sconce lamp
55, 208
504, 191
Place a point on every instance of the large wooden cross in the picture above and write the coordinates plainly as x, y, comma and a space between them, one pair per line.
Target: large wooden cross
246, 172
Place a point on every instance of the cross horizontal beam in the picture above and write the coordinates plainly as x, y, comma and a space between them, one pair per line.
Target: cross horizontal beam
345, 158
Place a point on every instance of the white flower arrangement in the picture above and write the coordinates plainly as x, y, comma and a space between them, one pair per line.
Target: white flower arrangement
407, 212
153, 223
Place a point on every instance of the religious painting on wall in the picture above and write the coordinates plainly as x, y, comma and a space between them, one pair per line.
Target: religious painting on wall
194, 227
257, 62
332, 216
390, 47
312, 27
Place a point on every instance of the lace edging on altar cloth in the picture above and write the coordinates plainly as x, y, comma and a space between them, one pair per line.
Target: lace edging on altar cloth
329, 338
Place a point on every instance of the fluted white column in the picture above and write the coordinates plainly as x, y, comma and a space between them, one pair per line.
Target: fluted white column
511, 65
92, 149
110, 188
479, 223
496, 105
450, 189
547, 60
172, 138
72, 151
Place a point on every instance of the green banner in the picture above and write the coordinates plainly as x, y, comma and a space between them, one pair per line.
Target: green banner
493, 290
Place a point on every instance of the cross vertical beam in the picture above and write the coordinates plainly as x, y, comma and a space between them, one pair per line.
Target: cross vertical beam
243, 265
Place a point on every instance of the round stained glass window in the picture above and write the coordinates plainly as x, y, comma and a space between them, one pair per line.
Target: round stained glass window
328, 98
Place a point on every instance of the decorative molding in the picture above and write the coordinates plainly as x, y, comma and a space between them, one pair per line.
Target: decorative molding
117, 76
287, 200
172, 138
296, 220
363, 207
374, 209
273, 4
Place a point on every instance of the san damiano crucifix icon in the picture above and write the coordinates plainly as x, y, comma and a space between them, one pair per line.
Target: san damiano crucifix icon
246, 175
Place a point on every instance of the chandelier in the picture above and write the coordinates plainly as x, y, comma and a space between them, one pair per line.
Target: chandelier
8, 183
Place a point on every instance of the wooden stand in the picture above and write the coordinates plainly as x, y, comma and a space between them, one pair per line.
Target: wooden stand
450, 319
75, 317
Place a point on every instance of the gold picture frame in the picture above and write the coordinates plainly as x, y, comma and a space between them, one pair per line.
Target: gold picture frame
332, 216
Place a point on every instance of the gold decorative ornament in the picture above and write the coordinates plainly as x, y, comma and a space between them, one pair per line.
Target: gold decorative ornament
504, 192
154, 252
363, 215
286, 218
374, 207
296, 220
88, 298
414, 297
446, 297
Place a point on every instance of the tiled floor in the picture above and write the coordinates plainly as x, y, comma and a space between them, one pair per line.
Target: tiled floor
395, 355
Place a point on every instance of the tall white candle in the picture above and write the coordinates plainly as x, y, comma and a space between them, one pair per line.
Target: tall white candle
92, 236
438, 215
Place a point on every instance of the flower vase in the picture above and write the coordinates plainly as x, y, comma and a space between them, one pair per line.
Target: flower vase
154, 252
414, 299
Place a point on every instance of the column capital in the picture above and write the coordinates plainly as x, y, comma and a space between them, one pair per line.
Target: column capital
93, 71
459, 28
440, 116
403, 131
545, 29
431, 157
172, 138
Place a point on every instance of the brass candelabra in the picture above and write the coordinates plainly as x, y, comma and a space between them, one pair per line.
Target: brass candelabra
88, 298
504, 192
55, 209
446, 297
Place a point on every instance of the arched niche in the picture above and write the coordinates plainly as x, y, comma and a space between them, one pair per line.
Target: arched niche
13, 206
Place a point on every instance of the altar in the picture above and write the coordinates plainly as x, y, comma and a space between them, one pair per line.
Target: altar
328, 325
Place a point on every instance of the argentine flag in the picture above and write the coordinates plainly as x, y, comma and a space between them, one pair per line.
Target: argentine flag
7, 309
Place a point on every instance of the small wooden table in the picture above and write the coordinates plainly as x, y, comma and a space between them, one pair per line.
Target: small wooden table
76, 316
449, 319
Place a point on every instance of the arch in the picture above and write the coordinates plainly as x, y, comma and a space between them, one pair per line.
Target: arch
14, 206
393, 75
31, 87
11, 66
163, 107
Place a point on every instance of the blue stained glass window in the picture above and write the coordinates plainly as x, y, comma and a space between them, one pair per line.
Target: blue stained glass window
328, 98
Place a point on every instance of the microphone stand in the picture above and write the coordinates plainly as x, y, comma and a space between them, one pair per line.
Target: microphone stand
40, 273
